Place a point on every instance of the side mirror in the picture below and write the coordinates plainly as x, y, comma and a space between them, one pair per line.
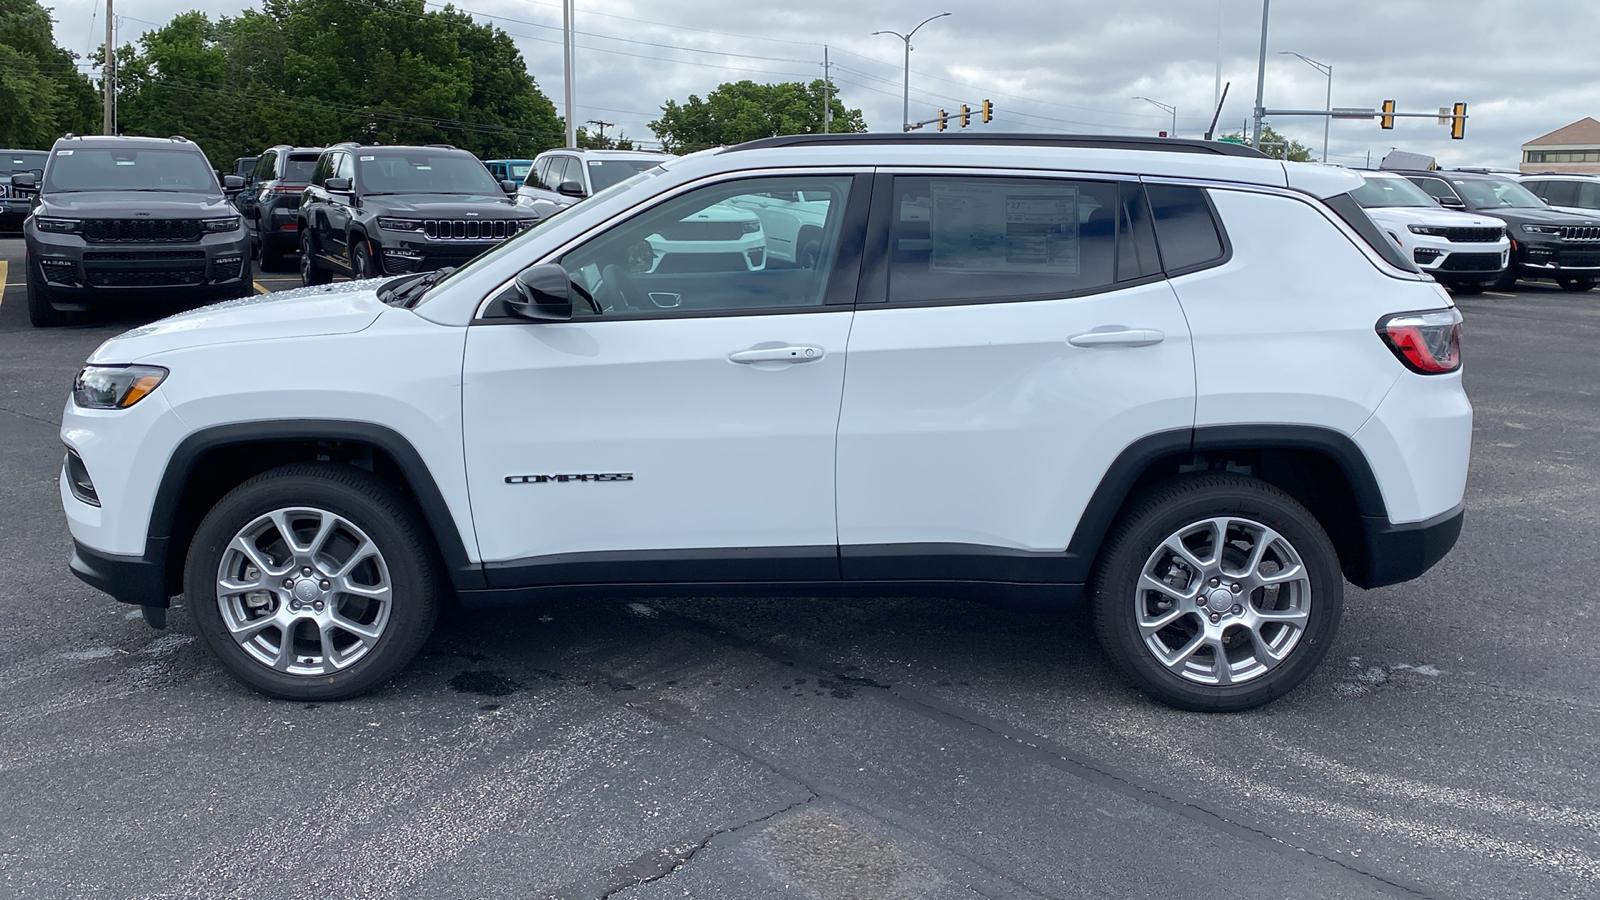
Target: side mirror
544, 293
1452, 204
25, 182
508, 185
232, 184
337, 185
571, 189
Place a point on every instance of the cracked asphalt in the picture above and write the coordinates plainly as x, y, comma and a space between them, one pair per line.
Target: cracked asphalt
831, 749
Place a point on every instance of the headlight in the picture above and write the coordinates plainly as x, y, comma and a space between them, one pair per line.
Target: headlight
115, 387
217, 226
1430, 230
58, 226
752, 227
391, 224
1542, 229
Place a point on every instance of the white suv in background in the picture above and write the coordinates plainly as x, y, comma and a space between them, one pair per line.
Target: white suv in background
1194, 385
1464, 251
1569, 193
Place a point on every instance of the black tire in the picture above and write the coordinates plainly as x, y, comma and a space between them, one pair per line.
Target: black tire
311, 271
362, 265
1465, 287
1575, 283
270, 257
1507, 279
1119, 600
40, 312
364, 508
808, 253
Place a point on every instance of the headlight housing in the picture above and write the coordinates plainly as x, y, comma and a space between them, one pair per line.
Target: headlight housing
115, 387
1542, 229
390, 223
58, 226
218, 226
1430, 230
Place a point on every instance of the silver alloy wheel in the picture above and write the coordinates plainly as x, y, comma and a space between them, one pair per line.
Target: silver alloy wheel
1223, 601
304, 591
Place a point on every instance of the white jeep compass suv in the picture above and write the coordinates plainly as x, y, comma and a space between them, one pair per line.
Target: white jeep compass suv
1193, 384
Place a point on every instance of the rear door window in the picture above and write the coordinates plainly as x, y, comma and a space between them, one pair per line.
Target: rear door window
1559, 193
1186, 229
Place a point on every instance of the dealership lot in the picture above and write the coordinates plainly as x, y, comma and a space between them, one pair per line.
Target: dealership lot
833, 748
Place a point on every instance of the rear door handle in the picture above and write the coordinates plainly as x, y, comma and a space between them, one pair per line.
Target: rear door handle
784, 354
1120, 337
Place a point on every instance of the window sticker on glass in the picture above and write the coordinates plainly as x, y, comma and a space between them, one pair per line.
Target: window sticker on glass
1005, 228
368, 158
595, 162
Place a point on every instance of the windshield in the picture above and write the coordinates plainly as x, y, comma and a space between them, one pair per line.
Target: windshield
517, 246
298, 169
603, 173
1498, 195
1381, 192
424, 172
130, 169
12, 163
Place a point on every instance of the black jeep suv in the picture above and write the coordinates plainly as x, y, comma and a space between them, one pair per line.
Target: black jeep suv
1545, 243
373, 211
130, 219
271, 201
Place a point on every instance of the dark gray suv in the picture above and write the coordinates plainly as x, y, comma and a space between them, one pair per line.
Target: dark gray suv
126, 220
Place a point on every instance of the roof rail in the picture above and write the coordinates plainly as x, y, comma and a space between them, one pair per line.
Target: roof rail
443, 146
1083, 141
178, 137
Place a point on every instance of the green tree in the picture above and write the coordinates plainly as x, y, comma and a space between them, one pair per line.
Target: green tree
42, 94
591, 141
1275, 145
315, 72
744, 111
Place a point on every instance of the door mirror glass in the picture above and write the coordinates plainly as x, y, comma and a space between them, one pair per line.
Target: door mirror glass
338, 185
571, 189
508, 185
544, 293
232, 184
26, 182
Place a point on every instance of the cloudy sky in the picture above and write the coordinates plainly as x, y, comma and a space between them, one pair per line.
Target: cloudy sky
1524, 67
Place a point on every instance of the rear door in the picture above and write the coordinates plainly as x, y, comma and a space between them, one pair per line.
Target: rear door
1017, 336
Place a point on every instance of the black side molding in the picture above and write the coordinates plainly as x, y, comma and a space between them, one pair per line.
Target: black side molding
1397, 553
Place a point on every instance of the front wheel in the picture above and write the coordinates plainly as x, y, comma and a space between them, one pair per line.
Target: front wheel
41, 313
311, 272
1575, 282
1507, 279
362, 265
1466, 287
313, 582
1217, 593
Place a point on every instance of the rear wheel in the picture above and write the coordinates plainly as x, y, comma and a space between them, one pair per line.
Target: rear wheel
40, 312
270, 257
311, 272
1575, 282
1217, 593
313, 582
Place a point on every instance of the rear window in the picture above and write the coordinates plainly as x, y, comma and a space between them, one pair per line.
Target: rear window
1346, 208
14, 162
1186, 229
297, 169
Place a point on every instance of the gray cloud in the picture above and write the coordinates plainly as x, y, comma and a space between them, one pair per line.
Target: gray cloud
1524, 67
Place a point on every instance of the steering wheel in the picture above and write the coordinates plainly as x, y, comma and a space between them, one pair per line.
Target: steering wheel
619, 290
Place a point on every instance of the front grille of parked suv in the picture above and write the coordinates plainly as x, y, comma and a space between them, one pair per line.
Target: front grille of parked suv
131, 231
1486, 235
1581, 232
470, 229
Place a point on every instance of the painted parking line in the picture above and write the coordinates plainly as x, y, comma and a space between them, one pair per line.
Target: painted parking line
3, 280
259, 288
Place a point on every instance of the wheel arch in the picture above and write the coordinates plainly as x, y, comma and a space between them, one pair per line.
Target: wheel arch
1322, 469
209, 463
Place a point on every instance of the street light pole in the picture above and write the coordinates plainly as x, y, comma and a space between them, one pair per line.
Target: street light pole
1327, 70
905, 99
1164, 108
566, 58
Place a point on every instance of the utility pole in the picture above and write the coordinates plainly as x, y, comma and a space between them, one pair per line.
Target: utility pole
108, 75
1261, 76
905, 100
827, 93
566, 58
602, 126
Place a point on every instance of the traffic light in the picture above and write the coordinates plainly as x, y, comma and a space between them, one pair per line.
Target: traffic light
1458, 125
988, 111
1387, 119
943, 118
1161, 134
966, 116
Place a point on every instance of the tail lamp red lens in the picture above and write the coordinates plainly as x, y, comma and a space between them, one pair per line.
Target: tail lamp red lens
1428, 343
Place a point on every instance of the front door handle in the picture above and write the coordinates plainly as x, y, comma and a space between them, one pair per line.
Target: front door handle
1117, 336
784, 354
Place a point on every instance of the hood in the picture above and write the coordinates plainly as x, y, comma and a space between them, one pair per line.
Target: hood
722, 213
342, 308
445, 206
1542, 215
1431, 215
125, 204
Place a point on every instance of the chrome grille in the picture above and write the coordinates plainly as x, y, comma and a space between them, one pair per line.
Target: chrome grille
1581, 232
126, 231
470, 229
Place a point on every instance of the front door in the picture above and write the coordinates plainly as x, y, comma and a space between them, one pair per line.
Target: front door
680, 427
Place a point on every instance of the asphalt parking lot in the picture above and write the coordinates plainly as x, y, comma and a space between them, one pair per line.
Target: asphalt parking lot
832, 748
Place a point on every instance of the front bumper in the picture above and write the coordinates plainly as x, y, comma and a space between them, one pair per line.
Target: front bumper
402, 254
1445, 259
74, 270
1552, 258
1396, 553
131, 579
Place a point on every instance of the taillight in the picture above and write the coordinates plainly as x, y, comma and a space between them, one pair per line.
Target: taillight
1428, 343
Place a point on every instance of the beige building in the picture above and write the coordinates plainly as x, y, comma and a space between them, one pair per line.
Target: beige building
1573, 150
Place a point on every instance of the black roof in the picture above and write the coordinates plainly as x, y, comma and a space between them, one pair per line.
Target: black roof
1083, 141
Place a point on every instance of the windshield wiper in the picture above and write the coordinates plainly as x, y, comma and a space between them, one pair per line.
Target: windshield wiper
406, 292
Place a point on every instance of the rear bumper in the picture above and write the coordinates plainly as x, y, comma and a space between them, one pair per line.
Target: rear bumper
131, 579
1396, 553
